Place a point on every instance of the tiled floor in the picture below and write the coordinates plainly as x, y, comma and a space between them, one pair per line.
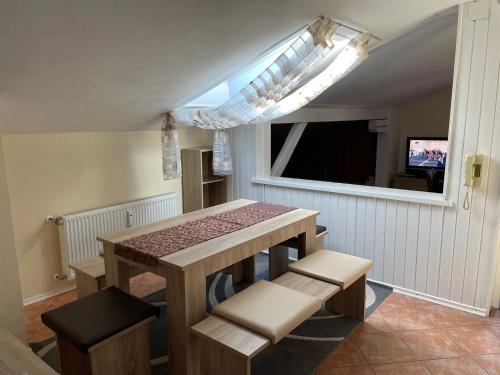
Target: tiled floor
403, 335
140, 286
410, 336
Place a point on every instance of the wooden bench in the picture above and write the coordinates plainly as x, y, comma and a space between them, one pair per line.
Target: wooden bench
90, 276
259, 316
346, 271
278, 255
114, 338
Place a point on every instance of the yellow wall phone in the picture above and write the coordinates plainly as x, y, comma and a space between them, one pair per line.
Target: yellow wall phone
472, 175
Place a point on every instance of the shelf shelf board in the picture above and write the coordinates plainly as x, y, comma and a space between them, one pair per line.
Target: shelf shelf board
210, 180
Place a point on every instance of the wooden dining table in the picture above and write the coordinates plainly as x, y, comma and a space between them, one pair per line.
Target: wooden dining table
186, 270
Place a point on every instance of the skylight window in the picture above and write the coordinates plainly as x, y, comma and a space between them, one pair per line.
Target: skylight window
226, 89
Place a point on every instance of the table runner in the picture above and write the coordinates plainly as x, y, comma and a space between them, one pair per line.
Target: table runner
147, 248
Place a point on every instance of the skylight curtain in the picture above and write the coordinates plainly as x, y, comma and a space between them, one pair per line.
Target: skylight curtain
171, 151
315, 60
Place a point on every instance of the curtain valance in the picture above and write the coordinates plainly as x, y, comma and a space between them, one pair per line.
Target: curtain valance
314, 61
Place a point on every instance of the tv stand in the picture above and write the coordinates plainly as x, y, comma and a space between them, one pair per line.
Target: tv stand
410, 182
420, 180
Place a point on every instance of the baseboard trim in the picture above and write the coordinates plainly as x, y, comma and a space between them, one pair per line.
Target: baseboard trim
424, 296
52, 293
437, 300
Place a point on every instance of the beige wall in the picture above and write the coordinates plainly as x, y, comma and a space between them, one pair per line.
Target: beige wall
11, 308
428, 116
50, 174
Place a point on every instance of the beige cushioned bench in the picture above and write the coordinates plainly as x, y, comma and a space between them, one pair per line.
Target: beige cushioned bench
347, 271
265, 312
334, 267
269, 309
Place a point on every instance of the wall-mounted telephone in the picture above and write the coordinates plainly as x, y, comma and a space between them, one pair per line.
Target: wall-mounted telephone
472, 175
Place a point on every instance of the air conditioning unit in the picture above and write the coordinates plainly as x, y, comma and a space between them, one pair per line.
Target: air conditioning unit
378, 126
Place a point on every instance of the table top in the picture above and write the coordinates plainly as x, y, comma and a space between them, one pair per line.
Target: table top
17, 358
208, 249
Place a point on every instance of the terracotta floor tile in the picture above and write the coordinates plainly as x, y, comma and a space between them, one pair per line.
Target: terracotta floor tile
395, 302
408, 368
346, 354
446, 317
375, 323
454, 366
406, 320
489, 362
475, 340
356, 370
495, 329
431, 344
484, 320
423, 303
381, 348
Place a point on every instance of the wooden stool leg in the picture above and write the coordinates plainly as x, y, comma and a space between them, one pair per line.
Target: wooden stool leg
71, 360
217, 360
351, 301
85, 284
244, 270
127, 352
278, 261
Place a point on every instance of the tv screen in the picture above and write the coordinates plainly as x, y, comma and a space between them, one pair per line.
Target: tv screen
426, 152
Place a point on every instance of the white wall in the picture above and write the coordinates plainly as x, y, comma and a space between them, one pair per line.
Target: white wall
58, 173
11, 307
445, 253
426, 117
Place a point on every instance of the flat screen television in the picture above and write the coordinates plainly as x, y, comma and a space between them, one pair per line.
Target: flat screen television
426, 152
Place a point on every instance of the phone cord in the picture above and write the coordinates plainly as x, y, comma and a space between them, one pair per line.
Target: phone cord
466, 200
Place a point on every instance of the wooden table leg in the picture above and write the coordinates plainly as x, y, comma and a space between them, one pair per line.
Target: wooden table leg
307, 240
117, 273
186, 305
244, 270
278, 261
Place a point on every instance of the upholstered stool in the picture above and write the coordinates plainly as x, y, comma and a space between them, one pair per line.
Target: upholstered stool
347, 271
269, 309
278, 255
104, 333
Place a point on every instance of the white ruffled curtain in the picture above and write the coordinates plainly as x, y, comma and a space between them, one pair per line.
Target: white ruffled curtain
314, 61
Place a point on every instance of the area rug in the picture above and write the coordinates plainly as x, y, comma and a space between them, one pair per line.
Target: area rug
300, 353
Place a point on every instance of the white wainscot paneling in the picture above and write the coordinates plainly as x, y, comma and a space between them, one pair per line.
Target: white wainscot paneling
421, 247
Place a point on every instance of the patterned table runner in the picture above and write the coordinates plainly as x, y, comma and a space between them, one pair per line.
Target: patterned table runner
147, 248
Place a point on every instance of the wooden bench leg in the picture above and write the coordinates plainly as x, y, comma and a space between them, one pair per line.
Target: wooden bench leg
244, 270
85, 284
278, 261
217, 360
127, 352
351, 301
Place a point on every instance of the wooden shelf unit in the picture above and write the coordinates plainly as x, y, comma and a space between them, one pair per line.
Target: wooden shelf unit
200, 187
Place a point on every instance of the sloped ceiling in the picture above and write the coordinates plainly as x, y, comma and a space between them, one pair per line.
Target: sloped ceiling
73, 65
416, 64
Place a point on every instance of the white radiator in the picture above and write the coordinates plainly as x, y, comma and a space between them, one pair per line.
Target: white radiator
78, 231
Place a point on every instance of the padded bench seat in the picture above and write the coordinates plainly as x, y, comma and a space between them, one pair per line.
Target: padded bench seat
269, 309
104, 333
346, 271
333, 267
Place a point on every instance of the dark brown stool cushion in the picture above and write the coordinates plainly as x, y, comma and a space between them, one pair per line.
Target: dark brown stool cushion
94, 318
294, 241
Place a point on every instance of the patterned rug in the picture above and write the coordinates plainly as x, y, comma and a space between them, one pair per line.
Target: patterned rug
300, 353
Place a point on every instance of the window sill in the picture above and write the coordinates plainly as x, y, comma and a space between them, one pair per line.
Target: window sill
435, 199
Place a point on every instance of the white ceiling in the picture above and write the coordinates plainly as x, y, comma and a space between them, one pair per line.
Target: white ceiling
73, 65
416, 64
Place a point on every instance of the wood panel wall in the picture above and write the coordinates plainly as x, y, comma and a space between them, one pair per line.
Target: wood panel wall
444, 253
